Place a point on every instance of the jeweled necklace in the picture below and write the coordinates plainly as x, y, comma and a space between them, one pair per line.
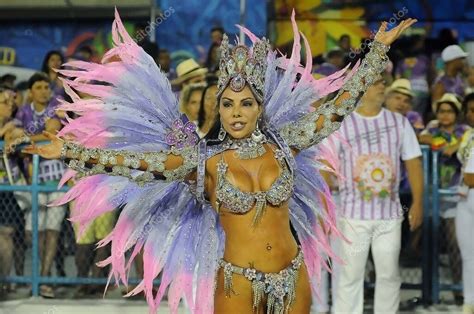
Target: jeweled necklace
247, 148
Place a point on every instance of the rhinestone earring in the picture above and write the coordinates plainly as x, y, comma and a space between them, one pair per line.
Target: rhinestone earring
222, 134
257, 135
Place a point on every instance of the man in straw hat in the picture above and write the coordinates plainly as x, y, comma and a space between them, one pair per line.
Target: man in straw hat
371, 145
188, 72
399, 97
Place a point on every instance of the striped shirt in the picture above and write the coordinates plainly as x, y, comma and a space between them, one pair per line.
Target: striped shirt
370, 150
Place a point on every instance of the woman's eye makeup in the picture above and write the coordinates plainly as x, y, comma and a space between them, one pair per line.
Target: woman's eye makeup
244, 103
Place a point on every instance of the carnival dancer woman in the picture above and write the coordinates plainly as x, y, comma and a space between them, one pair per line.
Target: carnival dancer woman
212, 214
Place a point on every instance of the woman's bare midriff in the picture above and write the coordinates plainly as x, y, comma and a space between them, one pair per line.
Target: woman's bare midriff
268, 247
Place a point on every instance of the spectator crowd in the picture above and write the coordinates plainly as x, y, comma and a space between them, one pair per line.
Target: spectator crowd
425, 97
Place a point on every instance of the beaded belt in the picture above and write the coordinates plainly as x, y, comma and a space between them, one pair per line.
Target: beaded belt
278, 287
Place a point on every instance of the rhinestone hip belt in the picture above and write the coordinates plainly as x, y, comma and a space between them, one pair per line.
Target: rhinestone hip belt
279, 288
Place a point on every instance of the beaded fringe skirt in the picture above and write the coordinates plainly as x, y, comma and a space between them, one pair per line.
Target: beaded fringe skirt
278, 288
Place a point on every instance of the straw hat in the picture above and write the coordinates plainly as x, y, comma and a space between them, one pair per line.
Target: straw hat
186, 70
448, 98
402, 86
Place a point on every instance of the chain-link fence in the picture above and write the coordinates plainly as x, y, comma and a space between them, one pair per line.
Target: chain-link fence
446, 271
41, 249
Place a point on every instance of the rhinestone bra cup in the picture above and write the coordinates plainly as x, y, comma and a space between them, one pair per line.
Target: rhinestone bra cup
240, 202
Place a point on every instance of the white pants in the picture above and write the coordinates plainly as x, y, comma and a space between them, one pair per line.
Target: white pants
384, 238
465, 237
321, 304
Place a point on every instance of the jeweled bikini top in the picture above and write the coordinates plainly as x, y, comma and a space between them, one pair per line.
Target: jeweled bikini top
240, 202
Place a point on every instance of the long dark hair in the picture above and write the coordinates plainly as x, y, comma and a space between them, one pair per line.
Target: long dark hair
211, 81
44, 67
212, 136
466, 101
210, 65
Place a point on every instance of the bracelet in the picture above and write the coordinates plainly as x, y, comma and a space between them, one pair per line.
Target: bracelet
64, 151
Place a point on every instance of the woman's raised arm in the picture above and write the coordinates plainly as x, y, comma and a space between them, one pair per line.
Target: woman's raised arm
168, 165
327, 118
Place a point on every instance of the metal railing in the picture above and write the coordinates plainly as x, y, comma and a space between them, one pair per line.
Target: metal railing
34, 188
430, 285
426, 228
35, 279
437, 192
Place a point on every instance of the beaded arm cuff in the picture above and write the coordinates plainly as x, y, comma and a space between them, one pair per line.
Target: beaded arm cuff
303, 133
92, 161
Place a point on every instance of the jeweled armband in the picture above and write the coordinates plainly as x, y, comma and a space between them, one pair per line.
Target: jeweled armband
302, 134
190, 161
92, 161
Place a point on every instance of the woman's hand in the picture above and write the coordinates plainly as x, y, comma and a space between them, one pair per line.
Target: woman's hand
425, 139
388, 37
8, 127
48, 151
450, 150
4, 129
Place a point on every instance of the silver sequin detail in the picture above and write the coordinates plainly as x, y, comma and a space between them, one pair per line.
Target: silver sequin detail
301, 134
92, 161
241, 202
279, 288
239, 66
